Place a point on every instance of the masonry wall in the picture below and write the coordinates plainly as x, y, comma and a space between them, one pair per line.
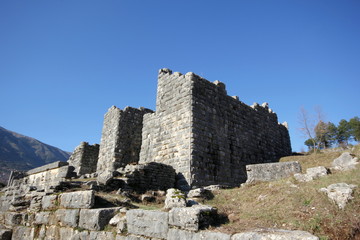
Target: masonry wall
228, 134
206, 135
166, 133
84, 158
121, 138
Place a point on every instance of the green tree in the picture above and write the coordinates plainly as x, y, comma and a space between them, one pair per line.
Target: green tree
322, 135
355, 128
332, 133
343, 133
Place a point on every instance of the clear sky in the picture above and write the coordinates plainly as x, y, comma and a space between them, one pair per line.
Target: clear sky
64, 63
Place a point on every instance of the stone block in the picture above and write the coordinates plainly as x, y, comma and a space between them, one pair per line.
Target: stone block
21, 233
346, 161
339, 193
178, 234
67, 217
274, 234
13, 218
101, 235
44, 218
311, 174
206, 235
271, 171
147, 223
5, 234
49, 202
96, 219
52, 233
192, 218
66, 233
47, 167
174, 198
79, 199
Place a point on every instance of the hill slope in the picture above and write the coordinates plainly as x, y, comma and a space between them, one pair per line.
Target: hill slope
23, 153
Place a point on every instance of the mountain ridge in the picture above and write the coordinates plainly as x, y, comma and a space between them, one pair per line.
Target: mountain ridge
20, 152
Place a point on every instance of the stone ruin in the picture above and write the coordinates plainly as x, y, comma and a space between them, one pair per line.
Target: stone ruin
207, 136
198, 136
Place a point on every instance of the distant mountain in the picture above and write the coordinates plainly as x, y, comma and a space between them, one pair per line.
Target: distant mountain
18, 152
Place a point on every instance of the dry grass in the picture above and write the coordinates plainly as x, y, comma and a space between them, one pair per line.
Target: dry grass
290, 205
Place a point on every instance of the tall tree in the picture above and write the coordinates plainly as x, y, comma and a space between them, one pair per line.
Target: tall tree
343, 133
355, 128
322, 134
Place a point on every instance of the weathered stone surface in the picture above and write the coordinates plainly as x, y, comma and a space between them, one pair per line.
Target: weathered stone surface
49, 202
174, 198
84, 158
67, 217
96, 219
101, 235
52, 233
339, 193
311, 174
150, 176
21, 233
5, 234
45, 218
66, 233
197, 124
206, 235
147, 223
121, 138
13, 218
274, 234
192, 218
271, 171
80, 199
47, 167
346, 161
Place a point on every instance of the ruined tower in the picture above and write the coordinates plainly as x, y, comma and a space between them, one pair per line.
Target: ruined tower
206, 135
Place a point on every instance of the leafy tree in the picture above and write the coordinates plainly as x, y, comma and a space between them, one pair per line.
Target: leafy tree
343, 133
355, 128
322, 135
332, 133
309, 143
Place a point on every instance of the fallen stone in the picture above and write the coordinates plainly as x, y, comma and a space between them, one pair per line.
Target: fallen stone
174, 198
5, 234
346, 161
271, 171
339, 193
311, 174
96, 219
199, 193
274, 234
105, 177
79, 199
192, 218
147, 223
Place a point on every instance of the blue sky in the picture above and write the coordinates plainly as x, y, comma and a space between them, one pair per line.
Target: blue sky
64, 63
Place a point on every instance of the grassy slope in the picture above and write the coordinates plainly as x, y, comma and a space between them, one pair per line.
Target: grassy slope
288, 204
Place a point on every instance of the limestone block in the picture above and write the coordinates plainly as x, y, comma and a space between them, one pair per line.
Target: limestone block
5, 234
206, 235
79, 199
101, 235
274, 234
339, 193
346, 161
147, 223
21, 233
52, 233
96, 219
178, 234
13, 218
80, 235
66, 233
174, 198
192, 218
44, 218
311, 174
67, 217
271, 171
49, 202
47, 167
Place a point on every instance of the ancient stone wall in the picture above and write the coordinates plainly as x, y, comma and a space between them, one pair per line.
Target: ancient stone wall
121, 138
84, 158
206, 135
166, 133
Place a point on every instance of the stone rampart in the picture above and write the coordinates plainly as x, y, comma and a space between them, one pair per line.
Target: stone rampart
121, 138
84, 158
206, 135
